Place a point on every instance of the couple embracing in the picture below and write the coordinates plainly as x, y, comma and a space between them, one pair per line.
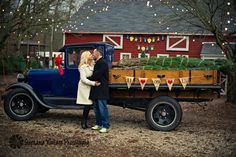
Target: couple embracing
93, 89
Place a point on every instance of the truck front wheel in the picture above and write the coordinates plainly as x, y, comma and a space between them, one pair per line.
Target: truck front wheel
19, 105
163, 113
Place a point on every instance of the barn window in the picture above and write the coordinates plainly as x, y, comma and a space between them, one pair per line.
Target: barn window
177, 43
125, 55
162, 55
182, 56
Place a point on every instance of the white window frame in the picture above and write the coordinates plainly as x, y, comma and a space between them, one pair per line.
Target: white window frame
172, 48
124, 53
182, 56
162, 55
117, 46
146, 54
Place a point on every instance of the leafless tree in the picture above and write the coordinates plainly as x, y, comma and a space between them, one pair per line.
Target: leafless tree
215, 17
20, 18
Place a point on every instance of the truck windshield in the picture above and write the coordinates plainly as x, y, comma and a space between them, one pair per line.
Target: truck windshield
55, 54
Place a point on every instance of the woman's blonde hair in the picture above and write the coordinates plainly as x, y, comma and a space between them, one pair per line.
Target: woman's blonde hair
84, 58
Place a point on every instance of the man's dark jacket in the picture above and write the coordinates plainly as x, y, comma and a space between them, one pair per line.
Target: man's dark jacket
100, 74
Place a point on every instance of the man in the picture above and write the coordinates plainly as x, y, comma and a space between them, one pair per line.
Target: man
100, 94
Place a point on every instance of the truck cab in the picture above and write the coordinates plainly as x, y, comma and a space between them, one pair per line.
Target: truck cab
43, 89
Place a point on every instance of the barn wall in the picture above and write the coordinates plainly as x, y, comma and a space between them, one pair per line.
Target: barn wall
195, 44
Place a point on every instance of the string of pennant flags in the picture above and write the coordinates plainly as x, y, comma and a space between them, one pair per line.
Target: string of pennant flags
157, 81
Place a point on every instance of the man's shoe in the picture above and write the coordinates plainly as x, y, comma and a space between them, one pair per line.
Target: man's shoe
96, 127
103, 130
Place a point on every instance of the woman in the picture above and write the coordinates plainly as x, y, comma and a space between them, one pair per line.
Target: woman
86, 69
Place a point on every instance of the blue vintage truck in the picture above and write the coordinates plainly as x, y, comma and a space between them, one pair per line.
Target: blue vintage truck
44, 89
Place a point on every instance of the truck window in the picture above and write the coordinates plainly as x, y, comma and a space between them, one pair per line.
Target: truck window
74, 55
73, 58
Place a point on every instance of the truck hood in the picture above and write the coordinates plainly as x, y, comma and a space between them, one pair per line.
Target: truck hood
45, 81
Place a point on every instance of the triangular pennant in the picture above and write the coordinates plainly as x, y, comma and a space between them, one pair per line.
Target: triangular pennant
156, 82
142, 82
129, 80
170, 83
184, 81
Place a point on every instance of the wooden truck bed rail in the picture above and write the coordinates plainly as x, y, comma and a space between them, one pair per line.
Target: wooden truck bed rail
201, 84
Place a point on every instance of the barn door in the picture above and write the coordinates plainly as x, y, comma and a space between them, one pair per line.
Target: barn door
116, 40
177, 43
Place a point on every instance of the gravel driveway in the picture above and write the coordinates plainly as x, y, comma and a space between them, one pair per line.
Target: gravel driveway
208, 131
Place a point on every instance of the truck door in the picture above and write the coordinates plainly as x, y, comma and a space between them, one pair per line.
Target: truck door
71, 70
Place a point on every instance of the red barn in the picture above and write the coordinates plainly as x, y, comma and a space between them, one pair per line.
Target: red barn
133, 27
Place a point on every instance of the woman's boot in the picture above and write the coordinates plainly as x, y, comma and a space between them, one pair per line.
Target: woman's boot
84, 121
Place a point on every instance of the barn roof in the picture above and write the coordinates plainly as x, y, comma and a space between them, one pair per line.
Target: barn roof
128, 16
213, 50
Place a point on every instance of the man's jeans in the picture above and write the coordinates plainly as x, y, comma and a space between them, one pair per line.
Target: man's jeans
101, 112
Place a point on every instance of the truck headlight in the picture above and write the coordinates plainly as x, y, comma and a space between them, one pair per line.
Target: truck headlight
20, 78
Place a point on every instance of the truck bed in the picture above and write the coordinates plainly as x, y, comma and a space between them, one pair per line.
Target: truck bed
203, 85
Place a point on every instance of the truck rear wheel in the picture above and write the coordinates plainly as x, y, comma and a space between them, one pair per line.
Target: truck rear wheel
163, 113
19, 105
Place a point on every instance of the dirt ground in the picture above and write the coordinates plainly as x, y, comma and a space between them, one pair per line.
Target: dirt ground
204, 132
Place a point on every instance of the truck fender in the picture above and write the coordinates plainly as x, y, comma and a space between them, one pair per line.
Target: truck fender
29, 89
